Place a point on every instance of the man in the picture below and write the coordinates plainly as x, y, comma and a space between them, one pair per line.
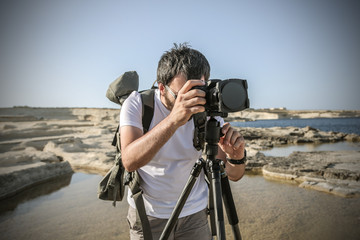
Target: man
165, 155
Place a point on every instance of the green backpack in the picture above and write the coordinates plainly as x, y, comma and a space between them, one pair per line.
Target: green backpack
112, 186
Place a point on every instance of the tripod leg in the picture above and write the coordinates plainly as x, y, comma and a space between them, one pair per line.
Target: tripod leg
216, 186
230, 206
211, 208
181, 202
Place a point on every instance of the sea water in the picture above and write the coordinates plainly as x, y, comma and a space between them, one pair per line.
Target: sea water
345, 125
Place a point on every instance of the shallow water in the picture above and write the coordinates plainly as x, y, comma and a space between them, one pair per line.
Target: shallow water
69, 209
284, 151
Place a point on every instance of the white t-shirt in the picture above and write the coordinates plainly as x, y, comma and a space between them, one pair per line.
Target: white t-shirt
165, 176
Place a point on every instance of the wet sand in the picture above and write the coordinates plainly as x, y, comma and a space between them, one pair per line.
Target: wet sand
266, 209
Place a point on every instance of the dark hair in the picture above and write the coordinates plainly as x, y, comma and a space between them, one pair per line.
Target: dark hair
182, 59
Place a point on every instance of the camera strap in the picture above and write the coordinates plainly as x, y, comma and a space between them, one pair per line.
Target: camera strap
199, 132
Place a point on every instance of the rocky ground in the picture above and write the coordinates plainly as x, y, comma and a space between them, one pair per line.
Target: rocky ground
37, 144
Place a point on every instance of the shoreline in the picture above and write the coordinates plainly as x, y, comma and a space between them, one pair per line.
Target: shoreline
245, 115
38, 144
282, 113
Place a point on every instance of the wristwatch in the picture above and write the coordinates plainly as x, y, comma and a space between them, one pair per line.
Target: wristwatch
238, 162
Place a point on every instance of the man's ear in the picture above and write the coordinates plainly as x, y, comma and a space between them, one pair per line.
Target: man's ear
161, 88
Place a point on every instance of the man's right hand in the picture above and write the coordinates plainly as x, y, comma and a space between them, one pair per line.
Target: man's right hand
188, 102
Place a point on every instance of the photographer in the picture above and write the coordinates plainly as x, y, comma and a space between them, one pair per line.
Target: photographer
165, 155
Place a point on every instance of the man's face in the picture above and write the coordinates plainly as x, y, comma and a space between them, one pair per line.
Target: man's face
171, 91
173, 87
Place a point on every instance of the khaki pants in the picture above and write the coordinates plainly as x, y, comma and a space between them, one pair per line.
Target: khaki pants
194, 226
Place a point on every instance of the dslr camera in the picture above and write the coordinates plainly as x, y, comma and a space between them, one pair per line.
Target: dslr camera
224, 96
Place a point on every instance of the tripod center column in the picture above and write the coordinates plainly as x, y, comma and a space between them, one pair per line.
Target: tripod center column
212, 138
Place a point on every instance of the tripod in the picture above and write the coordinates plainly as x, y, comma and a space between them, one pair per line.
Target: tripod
219, 188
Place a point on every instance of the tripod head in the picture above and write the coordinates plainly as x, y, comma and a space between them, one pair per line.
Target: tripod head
213, 134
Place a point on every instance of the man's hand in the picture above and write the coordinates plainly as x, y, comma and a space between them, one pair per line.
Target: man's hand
188, 102
232, 143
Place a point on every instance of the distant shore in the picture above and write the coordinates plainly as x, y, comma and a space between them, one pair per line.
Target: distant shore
282, 113
247, 114
37, 144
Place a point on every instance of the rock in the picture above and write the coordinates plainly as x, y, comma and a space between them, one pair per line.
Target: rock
308, 128
29, 155
312, 135
352, 138
18, 179
76, 145
343, 191
333, 172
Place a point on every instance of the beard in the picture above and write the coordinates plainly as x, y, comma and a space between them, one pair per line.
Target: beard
168, 103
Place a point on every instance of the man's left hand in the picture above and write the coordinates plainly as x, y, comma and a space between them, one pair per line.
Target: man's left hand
232, 143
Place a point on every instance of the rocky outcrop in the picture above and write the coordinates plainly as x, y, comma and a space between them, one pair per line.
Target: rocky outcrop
262, 138
14, 179
332, 172
42, 143
335, 172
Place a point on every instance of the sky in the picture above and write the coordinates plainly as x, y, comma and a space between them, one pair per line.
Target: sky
297, 54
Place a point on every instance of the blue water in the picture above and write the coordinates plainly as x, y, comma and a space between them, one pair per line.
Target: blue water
345, 125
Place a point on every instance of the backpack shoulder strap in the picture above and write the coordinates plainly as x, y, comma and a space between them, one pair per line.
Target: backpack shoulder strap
147, 101
147, 98
137, 195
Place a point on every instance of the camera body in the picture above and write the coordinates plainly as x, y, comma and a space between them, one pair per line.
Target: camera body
224, 96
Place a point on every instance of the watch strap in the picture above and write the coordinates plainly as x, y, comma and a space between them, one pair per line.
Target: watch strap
238, 162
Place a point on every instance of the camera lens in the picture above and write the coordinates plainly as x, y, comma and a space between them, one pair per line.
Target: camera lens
233, 96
